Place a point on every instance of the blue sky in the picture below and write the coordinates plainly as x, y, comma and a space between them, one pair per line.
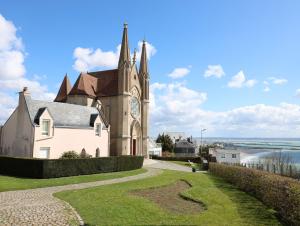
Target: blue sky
256, 41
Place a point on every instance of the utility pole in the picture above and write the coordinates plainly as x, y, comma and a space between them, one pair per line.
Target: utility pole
202, 130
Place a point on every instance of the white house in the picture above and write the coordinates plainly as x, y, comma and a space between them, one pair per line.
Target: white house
154, 148
225, 155
40, 129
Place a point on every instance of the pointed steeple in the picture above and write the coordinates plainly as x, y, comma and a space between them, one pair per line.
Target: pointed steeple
144, 62
125, 52
64, 90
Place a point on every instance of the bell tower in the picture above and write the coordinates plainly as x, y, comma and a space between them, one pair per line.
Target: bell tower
124, 67
144, 75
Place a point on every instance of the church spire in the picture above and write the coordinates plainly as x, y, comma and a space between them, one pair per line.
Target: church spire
144, 64
64, 90
125, 52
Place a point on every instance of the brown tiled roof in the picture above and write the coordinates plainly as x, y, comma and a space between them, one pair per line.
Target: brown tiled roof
64, 90
84, 85
96, 84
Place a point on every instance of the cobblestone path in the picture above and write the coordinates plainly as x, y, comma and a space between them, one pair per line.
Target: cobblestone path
39, 207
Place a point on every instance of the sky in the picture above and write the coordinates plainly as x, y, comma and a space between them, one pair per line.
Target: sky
231, 67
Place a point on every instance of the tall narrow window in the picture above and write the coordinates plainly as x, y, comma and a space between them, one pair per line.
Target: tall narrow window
234, 156
98, 129
46, 127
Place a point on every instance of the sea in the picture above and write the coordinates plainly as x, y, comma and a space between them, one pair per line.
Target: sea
254, 149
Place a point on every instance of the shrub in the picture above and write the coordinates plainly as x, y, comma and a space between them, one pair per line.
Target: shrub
278, 192
69, 155
50, 168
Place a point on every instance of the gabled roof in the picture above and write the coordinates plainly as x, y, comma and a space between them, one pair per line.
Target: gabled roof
39, 114
64, 90
107, 82
96, 84
63, 114
84, 85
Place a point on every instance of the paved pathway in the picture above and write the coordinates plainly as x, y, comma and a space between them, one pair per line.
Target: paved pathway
157, 164
39, 207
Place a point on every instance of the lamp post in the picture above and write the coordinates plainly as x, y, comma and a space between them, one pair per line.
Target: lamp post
202, 130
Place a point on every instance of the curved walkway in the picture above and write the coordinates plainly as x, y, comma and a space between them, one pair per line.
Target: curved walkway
159, 164
39, 206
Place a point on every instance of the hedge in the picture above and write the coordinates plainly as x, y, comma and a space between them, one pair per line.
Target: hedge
50, 168
278, 192
184, 159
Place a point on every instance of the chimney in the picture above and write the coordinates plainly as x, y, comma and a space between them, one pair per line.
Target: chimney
25, 91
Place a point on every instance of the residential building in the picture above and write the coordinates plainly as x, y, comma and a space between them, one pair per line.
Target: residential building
40, 129
231, 156
154, 148
184, 148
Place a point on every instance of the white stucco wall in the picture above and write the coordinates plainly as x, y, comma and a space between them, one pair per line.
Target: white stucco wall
72, 139
228, 157
17, 132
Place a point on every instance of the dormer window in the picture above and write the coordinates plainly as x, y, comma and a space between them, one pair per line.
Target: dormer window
46, 127
98, 129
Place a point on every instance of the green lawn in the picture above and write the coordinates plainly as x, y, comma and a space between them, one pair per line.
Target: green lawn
182, 163
116, 205
8, 183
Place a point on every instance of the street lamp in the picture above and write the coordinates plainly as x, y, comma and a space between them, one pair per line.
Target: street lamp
202, 130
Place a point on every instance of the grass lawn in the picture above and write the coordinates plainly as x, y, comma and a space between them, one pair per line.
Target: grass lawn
118, 205
181, 163
8, 183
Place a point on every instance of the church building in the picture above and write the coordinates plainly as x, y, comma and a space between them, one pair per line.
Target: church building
122, 94
105, 113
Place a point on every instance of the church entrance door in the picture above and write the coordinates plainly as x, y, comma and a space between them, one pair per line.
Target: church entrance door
134, 147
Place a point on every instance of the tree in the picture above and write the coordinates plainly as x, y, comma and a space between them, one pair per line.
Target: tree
166, 142
69, 155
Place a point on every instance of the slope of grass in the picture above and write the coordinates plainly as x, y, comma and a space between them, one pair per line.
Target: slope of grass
8, 183
117, 205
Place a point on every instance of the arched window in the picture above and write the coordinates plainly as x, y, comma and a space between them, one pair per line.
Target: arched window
97, 153
83, 153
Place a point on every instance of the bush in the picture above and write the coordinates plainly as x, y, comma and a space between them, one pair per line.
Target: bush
278, 192
69, 155
50, 168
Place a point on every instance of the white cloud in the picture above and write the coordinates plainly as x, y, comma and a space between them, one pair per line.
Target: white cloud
266, 89
298, 93
239, 81
37, 90
11, 51
151, 50
12, 71
178, 108
179, 73
278, 81
88, 59
214, 71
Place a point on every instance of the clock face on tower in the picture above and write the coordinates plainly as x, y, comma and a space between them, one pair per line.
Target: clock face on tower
135, 107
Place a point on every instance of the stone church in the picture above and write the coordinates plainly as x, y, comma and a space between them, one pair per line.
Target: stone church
122, 94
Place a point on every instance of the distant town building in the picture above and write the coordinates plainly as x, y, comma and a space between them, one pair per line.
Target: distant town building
184, 148
226, 155
154, 148
175, 135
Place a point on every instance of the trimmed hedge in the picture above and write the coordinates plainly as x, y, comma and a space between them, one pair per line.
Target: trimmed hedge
50, 168
184, 159
278, 192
